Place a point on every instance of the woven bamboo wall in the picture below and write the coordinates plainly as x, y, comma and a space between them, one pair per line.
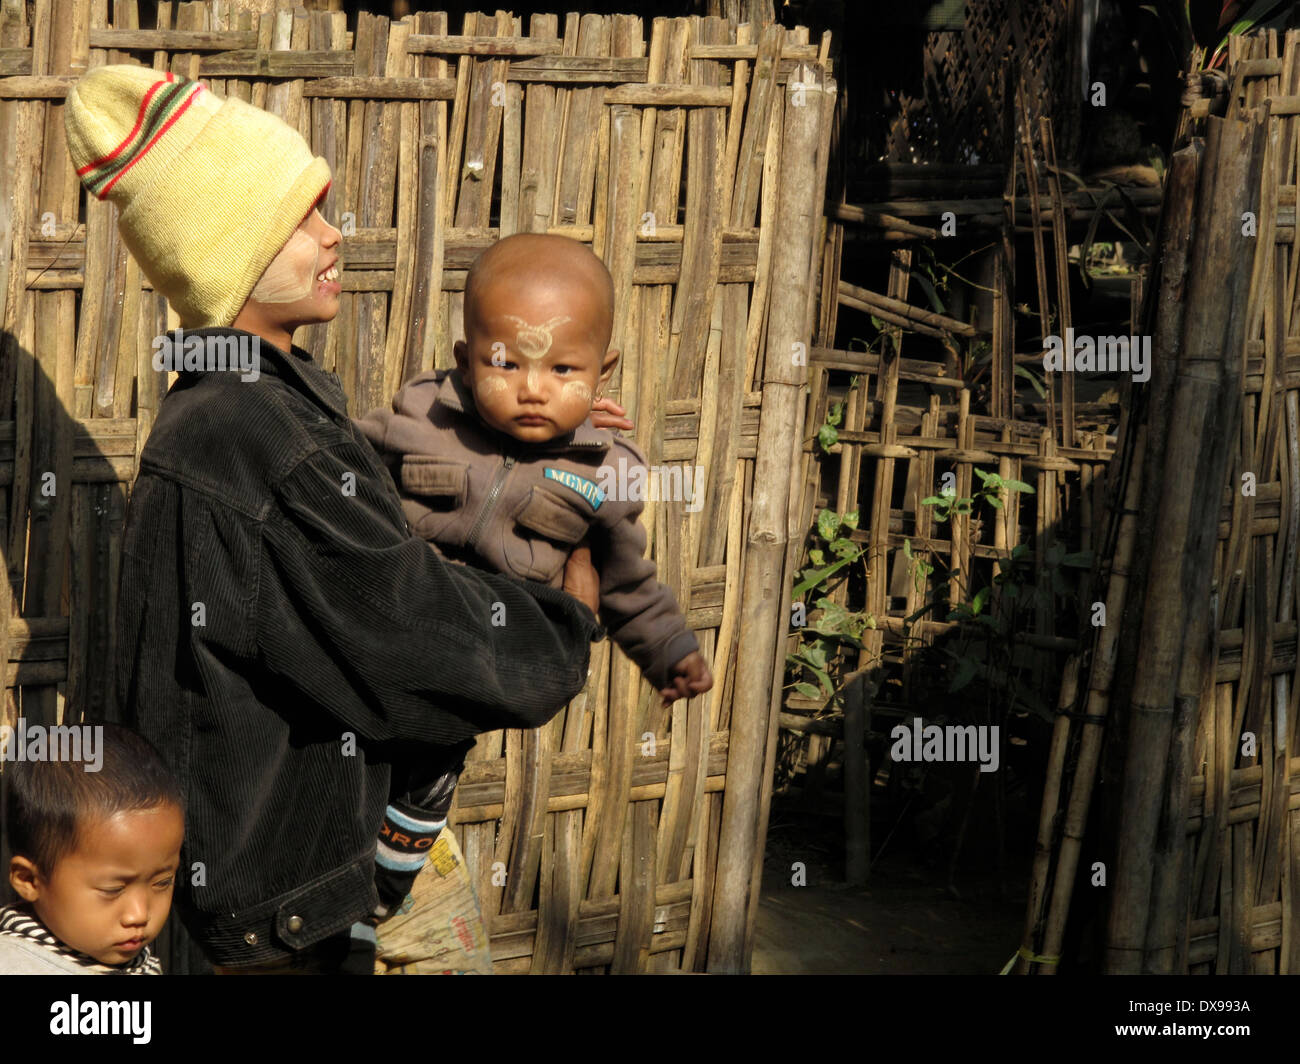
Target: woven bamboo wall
692, 157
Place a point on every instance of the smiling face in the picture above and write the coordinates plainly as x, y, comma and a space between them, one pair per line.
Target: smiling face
537, 322
299, 287
110, 895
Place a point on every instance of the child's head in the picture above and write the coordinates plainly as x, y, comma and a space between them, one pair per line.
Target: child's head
97, 853
539, 312
209, 189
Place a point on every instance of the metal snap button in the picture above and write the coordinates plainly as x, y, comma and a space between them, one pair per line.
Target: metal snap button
295, 924
250, 937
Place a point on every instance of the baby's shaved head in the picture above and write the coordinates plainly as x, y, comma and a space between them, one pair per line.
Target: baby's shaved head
542, 264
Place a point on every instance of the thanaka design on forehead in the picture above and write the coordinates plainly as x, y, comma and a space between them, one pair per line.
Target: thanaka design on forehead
534, 341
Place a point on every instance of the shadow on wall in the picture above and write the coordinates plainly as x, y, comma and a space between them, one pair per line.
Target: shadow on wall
63, 494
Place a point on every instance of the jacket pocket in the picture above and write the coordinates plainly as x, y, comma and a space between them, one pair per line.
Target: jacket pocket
433, 491
442, 481
545, 512
325, 906
548, 527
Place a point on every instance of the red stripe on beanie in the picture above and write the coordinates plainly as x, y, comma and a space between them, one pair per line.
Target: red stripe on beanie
145, 150
139, 121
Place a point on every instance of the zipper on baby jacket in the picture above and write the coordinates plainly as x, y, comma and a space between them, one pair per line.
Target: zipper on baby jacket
490, 503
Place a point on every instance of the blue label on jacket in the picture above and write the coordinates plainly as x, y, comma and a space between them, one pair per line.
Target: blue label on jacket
586, 488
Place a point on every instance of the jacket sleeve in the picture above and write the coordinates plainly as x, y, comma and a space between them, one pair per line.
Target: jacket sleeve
372, 625
641, 613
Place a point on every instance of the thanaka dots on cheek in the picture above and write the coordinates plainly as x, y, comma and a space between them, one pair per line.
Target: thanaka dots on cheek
575, 395
488, 387
292, 272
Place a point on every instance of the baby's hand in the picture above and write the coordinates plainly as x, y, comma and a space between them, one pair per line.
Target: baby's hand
689, 677
607, 414
581, 579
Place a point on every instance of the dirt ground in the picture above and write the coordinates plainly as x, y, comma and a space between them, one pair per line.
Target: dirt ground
904, 921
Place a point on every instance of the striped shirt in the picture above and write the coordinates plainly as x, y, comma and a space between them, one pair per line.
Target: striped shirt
18, 921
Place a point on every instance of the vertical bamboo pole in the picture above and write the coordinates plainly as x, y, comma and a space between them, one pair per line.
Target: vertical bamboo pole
779, 432
796, 520
1048, 813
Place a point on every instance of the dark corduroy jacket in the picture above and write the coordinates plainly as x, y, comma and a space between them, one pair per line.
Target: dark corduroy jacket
284, 639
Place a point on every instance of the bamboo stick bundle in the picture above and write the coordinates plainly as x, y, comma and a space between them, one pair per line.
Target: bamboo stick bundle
1204, 412
1140, 461
1097, 707
1175, 236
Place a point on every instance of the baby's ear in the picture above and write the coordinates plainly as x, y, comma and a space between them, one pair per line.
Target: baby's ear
461, 350
607, 367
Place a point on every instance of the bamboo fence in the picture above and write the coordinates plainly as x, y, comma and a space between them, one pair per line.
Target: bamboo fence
693, 160
1193, 682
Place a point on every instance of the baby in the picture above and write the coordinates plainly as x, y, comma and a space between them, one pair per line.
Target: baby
498, 464
95, 858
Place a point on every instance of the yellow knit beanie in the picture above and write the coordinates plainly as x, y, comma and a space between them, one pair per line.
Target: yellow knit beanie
208, 189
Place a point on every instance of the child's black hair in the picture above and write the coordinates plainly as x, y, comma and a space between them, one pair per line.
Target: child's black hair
49, 801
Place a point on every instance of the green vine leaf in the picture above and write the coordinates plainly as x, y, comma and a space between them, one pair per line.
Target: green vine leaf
828, 525
844, 548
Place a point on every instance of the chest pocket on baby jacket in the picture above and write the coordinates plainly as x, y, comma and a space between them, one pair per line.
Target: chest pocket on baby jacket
548, 527
433, 494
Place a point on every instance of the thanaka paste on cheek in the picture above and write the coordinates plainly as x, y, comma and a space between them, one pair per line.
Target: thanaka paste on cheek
575, 394
292, 273
487, 387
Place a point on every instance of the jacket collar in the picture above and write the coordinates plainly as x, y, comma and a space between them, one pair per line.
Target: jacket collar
295, 366
454, 394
